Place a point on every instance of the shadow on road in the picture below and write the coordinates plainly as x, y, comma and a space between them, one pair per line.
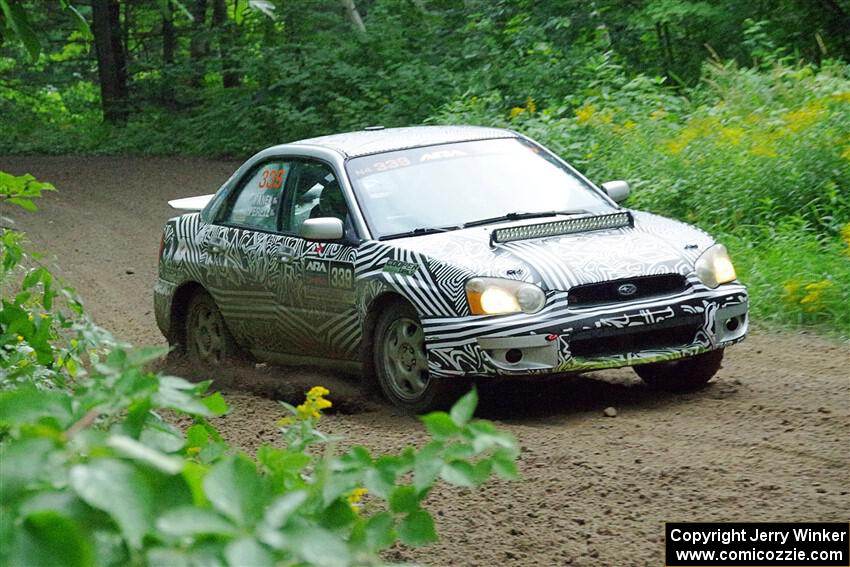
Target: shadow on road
512, 399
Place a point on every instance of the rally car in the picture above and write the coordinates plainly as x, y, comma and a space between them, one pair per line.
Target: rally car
425, 256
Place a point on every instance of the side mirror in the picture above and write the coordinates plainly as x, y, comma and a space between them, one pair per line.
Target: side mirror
617, 190
323, 228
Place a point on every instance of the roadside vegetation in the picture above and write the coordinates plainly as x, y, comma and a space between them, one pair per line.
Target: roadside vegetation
95, 472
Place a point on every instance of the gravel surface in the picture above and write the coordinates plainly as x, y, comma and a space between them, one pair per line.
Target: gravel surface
605, 462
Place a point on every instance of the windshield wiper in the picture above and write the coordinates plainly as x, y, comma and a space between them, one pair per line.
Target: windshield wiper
419, 232
518, 216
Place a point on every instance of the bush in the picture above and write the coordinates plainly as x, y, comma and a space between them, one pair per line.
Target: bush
92, 472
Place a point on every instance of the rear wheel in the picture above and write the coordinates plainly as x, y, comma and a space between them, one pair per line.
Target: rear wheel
401, 363
208, 341
682, 375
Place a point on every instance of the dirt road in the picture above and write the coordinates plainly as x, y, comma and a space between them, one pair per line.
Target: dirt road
769, 440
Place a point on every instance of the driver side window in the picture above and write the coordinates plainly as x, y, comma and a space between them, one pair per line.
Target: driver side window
315, 193
257, 202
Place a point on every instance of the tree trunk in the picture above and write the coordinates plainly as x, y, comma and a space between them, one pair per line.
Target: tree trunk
111, 61
354, 15
198, 43
169, 40
169, 43
225, 30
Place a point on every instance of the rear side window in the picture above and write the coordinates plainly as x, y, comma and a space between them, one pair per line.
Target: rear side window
257, 202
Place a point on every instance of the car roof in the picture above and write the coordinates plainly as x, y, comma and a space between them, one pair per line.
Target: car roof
378, 140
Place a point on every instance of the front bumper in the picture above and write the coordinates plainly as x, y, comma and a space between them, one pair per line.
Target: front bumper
564, 339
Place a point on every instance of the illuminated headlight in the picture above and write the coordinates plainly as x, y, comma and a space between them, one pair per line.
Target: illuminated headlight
495, 296
714, 267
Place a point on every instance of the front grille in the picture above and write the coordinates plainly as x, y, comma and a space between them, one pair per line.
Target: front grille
611, 291
605, 341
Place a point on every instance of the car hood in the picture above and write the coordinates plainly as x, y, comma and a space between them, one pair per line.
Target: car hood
654, 245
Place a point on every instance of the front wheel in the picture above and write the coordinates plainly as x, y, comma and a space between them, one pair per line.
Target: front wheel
686, 374
208, 340
401, 363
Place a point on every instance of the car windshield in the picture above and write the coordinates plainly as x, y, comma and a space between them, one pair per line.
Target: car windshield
446, 186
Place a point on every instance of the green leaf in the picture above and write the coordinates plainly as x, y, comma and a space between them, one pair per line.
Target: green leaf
119, 489
27, 405
23, 203
50, 539
380, 531
197, 436
504, 463
187, 521
194, 474
404, 499
463, 409
21, 463
317, 546
283, 507
132, 449
440, 425
417, 529
235, 489
17, 22
178, 394
264, 6
458, 473
481, 471
429, 461
338, 515
216, 404
248, 551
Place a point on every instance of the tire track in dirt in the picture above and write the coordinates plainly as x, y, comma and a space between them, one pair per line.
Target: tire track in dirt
768, 440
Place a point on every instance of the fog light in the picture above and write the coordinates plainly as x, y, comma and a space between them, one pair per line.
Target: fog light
513, 356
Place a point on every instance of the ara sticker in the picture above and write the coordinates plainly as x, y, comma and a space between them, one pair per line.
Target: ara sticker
399, 267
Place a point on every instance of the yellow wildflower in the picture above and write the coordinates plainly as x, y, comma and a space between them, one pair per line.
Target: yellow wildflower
629, 124
845, 236
732, 135
20, 338
530, 105
799, 119
763, 150
812, 299
192, 451
585, 113
355, 496
516, 111
314, 404
318, 391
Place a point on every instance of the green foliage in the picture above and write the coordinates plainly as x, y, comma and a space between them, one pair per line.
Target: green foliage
20, 190
93, 474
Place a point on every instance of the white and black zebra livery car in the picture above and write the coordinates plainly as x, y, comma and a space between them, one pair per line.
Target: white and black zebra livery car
427, 255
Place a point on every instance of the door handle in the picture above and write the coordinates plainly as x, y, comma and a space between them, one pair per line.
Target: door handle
286, 255
216, 245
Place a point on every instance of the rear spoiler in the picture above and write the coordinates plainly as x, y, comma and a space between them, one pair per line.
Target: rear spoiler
190, 203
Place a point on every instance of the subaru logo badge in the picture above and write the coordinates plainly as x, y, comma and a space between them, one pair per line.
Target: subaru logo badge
627, 289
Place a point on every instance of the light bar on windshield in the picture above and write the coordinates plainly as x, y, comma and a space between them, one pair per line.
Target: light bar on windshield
557, 228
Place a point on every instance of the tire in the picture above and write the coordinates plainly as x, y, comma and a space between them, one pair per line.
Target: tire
401, 364
209, 343
684, 375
